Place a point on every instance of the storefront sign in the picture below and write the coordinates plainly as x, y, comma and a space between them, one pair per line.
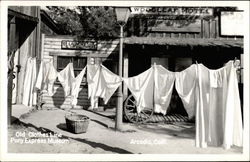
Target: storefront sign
174, 25
232, 23
197, 11
79, 45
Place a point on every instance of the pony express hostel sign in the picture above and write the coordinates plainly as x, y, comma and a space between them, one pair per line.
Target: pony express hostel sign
79, 45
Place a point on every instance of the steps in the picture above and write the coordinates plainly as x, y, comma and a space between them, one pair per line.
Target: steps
58, 100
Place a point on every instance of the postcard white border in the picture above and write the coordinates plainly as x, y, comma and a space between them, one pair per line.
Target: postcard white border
133, 157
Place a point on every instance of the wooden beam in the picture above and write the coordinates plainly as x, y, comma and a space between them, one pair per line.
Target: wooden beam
79, 54
11, 52
23, 16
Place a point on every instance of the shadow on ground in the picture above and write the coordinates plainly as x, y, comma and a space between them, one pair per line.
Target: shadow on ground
63, 127
179, 131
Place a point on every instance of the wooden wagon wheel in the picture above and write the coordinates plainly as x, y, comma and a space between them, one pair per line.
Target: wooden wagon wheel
131, 112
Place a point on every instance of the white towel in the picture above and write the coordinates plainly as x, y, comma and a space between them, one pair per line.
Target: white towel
46, 77
76, 87
93, 75
185, 85
142, 88
108, 83
163, 88
29, 92
233, 134
66, 77
216, 78
218, 116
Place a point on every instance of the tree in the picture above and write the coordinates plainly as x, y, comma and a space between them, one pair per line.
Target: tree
97, 22
66, 18
100, 21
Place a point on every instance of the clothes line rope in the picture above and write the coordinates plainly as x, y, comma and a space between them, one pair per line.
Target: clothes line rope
211, 96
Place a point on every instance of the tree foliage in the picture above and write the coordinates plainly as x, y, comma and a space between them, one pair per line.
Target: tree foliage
67, 19
100, 21
97, 22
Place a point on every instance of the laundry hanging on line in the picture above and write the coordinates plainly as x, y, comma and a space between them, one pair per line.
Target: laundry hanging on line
108, 84
185, 85
76, 86
218, 114
29, 92
212, 94
142, 88
93, 75
66, 77
163, 88
46, 77
102, 83
152, 88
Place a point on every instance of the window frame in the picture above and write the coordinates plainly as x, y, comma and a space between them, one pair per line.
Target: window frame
84, 80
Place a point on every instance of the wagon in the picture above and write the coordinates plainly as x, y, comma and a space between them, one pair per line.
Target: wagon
130, 111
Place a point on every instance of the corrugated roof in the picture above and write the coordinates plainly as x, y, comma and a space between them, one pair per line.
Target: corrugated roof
184, 41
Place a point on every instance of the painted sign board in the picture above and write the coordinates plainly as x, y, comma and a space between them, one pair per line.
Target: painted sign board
174, 25
196, 11
79, 45
232, 23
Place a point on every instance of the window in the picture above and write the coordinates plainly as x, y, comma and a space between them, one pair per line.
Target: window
78, 63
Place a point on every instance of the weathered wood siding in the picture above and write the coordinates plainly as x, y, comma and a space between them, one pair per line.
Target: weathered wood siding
24, 37
51, 49
209, 28
27, 10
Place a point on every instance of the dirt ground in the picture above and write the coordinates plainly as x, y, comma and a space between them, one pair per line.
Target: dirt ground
45, 131
66, 145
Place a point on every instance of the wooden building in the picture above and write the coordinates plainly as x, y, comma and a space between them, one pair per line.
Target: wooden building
174, 37
62, 50
25, 26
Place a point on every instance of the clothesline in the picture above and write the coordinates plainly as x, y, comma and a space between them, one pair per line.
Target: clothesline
211, 96
66, 78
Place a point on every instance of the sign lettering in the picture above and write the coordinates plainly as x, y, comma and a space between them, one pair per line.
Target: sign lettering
172, 11
79, 45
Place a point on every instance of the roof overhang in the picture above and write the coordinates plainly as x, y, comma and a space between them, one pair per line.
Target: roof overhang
211, 42
51, 23
22, 16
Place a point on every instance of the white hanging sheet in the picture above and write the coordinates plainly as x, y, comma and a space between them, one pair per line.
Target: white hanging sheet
233, 134
46, 77
93, 75
218, 115
29, 92
163, 88
142, 88
107, 85
185, 85
66, 77
76, 87
213, 93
